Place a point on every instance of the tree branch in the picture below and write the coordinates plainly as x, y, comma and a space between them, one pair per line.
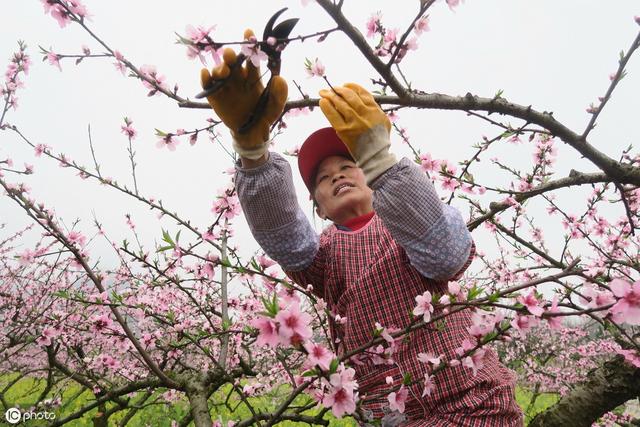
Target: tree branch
363, 46
607, 387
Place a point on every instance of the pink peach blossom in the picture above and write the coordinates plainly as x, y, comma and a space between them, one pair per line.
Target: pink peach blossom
428, 164
253, 53
293, 325
531, 302
100, 323
555, 322
318, 355
429, 358
373, 24
397, 399
340, 401
421, 25
424, 307
523, 323
428, 385
168, 141
627, 308
315, 68
268, 332
54, 60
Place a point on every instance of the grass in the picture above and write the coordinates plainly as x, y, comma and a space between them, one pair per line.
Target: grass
542, 402
26, 391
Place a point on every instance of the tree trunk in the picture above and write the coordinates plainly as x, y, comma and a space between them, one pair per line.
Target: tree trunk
101, 419
608, 386
199, 405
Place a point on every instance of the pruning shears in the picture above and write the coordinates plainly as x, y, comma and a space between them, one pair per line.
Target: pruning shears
273, 51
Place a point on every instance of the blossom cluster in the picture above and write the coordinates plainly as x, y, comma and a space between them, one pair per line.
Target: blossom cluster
199, 43
63, 11
388, 41
19, 63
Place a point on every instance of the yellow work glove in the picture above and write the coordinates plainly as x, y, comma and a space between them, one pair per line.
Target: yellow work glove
361, 125
237, 99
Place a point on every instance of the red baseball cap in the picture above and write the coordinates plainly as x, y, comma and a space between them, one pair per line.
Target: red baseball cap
318, 146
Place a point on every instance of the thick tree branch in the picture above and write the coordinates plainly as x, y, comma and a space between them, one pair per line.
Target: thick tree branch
607, 387
617, 171
574, 178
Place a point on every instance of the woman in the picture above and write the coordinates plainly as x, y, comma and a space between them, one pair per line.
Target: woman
392, 240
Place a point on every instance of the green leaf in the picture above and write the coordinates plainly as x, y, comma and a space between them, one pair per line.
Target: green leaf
167, 238
473, 292
489, 337
270, 305
333, 367
164, 248
160, 133
469, 177
507, 134
494, 297
116, 297
61, 293
310, 373
406, 379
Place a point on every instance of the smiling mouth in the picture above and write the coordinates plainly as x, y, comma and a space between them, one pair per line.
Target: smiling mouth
342, 188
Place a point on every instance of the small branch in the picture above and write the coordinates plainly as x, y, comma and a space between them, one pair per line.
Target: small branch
224, 345
93, 153
423, 8
627, 208
614, 82
361, 43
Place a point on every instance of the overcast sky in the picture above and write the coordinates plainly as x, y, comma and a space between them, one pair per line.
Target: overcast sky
553, 55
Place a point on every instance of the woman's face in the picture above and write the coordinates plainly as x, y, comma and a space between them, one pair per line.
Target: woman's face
341, 190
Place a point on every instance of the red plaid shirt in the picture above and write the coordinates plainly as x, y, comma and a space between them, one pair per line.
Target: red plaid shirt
414, 243
366, 277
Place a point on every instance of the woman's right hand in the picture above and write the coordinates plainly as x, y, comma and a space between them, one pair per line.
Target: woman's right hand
236, 100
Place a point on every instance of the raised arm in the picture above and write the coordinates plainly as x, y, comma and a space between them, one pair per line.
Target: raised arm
433, 234
263, 180
269, 202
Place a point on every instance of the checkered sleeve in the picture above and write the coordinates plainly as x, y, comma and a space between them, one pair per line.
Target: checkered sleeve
269, 202
433, 234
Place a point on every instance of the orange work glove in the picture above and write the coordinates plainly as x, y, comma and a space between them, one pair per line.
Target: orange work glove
361, 125
237, 99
